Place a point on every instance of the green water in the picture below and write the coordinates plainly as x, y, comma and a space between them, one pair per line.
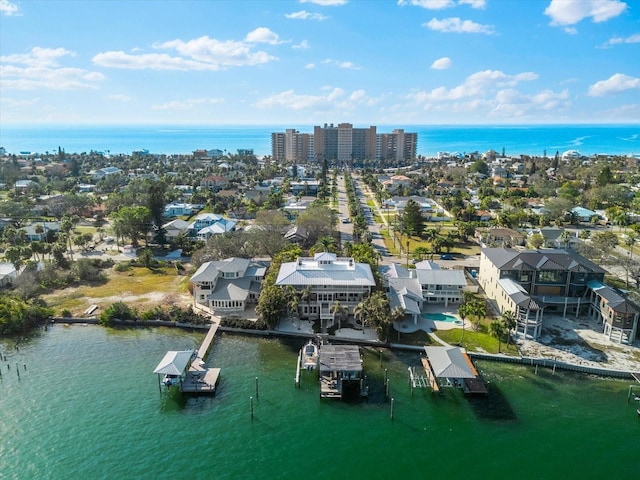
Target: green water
88, 406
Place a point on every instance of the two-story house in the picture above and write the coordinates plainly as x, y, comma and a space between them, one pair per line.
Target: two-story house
207, 224
228, 286
325, 279
411, 289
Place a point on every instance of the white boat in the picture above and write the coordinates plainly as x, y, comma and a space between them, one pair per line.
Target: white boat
170, 380
310, 355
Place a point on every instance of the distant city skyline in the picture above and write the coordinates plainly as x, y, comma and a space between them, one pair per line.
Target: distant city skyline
252, 62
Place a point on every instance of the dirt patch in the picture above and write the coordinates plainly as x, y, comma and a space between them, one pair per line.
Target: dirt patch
581, 341
141, 294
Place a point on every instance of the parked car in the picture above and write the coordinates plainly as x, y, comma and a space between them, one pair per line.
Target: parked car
446, 256
344, 220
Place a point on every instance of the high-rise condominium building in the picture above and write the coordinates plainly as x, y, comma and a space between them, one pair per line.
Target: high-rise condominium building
343, 143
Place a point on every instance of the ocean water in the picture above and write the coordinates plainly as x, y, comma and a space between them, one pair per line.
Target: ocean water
88, 406
515, 140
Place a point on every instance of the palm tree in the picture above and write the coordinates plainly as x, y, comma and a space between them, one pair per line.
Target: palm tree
338, 310
497, 330
360, 312
306, 296
463, 312
509, 323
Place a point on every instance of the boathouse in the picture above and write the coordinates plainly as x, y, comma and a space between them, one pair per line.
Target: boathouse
340, 370
172, 369
452, 367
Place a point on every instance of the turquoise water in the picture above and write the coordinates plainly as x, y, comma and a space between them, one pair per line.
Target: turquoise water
440, 317
514, 139
88, 406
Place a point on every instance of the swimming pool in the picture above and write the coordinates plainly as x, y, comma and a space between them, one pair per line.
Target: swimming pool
441, 317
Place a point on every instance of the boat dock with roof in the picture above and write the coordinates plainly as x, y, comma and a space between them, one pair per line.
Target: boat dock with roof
452, 367
340, 369
189, 369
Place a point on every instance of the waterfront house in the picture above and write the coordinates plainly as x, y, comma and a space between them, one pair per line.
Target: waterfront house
228, 286
325, 279
411, 289
535, 283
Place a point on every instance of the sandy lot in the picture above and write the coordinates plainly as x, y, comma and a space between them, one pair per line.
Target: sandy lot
581, 341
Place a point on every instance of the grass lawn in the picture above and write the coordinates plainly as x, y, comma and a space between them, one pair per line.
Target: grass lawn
138, 286
475, 341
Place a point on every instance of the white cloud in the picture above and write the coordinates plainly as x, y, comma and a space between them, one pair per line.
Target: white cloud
570, 12
291, 100
442, 4
303, 45
263, 35
615, 84
341, 64
456, 25
441, 64
474, 3
326, 3
149, 61
38, 57
310, 65
428, 4
118, 97
187, 104
7, 8
203, 53
304, 15
40, 68
635, 38
335, 98
476, 85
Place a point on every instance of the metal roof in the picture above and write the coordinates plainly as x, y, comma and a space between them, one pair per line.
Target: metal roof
449, 362
302, 273
174, 362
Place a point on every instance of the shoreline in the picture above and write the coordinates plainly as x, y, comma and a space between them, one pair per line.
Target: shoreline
544, 362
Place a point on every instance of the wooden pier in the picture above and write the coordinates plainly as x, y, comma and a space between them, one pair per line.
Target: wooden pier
431, 376
473, 386
200, 378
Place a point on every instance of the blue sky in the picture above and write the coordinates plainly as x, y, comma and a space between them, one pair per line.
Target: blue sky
395, 62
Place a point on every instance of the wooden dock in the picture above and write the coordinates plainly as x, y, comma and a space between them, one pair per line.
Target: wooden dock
473, 386
200, 378
431, 376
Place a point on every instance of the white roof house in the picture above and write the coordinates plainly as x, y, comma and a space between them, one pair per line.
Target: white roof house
410, 289
325, 269
329, 279
207, 224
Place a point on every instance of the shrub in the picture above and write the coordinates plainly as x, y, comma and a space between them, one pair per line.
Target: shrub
66, 313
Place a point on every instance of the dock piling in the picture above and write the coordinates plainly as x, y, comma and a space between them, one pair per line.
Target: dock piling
257, 398
251, 406
392, 409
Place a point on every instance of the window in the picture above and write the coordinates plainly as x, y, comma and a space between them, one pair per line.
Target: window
550, 276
